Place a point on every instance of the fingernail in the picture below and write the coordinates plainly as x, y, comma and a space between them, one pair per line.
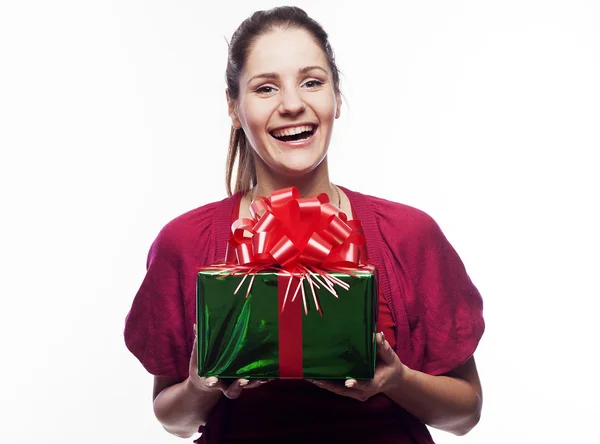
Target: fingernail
350, 383
382, 338
243, 382
211, 381
195, 329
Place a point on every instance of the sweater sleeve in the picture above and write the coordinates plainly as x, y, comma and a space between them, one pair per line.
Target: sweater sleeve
154, 328
452, 306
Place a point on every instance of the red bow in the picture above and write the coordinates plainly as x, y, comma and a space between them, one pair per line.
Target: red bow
308, 238
287, 230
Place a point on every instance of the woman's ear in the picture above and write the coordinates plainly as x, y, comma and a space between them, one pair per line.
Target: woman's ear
235, 122
338, 105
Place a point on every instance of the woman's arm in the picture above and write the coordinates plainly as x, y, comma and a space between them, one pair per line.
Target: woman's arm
181, 406
449, 402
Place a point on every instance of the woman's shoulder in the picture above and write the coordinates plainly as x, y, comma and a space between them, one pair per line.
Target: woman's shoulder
392, 218
196, 226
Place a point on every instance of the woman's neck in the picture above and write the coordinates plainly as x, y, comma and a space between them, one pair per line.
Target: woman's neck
308, 186
311, 184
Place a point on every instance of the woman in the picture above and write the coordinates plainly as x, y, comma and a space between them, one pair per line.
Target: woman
283, 95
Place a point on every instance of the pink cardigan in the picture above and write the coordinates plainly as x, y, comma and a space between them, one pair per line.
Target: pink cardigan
436, 308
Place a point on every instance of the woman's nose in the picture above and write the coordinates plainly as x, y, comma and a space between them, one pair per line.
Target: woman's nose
291, 102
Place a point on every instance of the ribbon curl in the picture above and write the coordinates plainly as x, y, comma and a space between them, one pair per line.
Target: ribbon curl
302, 237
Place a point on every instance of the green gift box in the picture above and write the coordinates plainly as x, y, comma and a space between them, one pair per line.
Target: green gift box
262, 333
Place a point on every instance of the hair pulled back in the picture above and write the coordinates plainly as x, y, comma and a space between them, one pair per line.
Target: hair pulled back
260, 23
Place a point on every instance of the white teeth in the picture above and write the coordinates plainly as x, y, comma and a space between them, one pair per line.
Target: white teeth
292, 131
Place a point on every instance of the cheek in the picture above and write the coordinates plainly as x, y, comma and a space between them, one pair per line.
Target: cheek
257, 114
327, 107
328, 113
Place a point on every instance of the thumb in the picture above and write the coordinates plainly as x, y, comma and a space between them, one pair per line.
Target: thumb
384, 349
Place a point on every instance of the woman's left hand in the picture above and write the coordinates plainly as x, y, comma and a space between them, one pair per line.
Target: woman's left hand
389, 372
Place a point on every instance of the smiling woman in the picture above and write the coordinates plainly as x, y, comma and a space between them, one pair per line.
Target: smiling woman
286, 106
283, 98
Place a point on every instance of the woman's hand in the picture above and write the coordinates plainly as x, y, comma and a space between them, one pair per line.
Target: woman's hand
388, 375
230, 388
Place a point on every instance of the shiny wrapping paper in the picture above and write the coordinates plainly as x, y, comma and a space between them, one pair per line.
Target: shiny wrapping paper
259, 337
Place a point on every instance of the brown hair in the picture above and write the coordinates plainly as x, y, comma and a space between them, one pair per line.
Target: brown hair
253, 27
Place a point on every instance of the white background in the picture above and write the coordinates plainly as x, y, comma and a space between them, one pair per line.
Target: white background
113, 121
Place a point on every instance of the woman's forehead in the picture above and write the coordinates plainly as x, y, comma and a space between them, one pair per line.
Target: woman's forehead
284, 50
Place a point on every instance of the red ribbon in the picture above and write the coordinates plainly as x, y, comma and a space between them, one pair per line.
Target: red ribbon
290, 331
287, 230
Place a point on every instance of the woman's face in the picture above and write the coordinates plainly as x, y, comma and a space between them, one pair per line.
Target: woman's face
287, 102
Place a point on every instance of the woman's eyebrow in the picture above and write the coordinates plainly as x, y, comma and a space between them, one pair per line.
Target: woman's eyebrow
264, 75
310, 68
275, 76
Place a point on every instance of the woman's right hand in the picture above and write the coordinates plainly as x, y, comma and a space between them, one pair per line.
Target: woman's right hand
230, 388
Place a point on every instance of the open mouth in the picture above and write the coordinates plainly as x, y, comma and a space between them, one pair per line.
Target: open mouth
295, 134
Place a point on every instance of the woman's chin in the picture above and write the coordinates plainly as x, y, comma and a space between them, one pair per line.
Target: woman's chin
291, 163
295, 173
299, 169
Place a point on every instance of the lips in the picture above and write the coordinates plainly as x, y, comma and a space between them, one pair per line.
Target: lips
297, 133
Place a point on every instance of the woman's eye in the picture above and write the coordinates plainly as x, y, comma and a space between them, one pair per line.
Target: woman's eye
313, 83
265, 90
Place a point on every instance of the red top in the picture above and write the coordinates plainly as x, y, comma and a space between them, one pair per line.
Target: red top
430, 312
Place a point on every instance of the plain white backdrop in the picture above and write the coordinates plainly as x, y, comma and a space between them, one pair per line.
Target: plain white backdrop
113, 121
